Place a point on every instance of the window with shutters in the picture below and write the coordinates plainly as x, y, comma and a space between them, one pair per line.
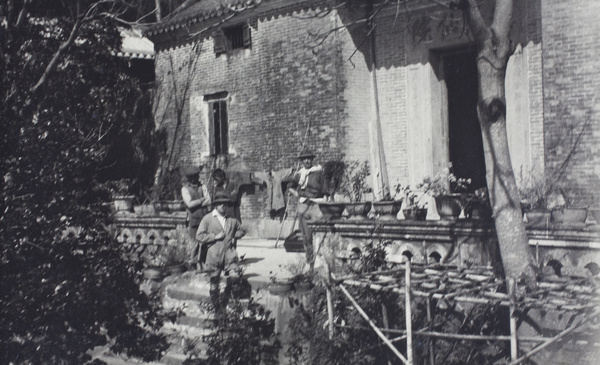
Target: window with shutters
231, 38
218, 123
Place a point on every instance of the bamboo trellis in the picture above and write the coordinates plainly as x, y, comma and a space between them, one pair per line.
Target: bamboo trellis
477, 285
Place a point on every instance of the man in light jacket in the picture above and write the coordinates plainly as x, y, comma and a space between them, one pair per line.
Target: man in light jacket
218, 232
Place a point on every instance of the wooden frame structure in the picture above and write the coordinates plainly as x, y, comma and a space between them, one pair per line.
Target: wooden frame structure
476, 285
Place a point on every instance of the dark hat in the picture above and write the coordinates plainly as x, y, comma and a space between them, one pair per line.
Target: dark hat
306, 154
221, 198
191, 171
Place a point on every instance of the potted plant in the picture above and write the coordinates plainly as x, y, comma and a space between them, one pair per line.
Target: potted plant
477, 204
389, 206
302, 278
354, 187
446, 189
166, 192
333, 176
413, 208
120, 191
566, 211
280, 286
536, 202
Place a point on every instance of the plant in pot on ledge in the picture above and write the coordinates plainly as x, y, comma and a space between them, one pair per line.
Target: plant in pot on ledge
447, 190
538, 198
413, 208
280, 286
354, 187
477, 204
333, 177
389, 206
121, 195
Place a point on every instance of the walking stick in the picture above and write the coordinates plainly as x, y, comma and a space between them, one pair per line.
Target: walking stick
287, 204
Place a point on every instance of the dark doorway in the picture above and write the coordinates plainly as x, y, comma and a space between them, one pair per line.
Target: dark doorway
466, 146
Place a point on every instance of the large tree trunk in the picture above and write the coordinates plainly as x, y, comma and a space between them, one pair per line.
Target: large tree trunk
493, 46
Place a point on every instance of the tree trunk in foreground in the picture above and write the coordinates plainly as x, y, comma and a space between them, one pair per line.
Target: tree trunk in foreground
493, 51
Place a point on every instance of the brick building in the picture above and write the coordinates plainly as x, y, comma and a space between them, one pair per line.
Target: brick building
246, 84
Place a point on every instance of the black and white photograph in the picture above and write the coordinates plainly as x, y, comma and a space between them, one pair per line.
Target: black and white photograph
299, 182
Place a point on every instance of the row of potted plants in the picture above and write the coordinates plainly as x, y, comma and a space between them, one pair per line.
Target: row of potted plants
348, 186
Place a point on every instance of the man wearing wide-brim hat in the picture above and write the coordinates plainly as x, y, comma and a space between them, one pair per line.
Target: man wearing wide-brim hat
310, 189
218, 232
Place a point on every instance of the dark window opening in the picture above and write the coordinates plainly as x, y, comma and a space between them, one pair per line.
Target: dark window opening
435, 257
465, 143
219, 125
230, 38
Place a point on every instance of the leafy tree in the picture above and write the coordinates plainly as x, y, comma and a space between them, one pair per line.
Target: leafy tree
67, 106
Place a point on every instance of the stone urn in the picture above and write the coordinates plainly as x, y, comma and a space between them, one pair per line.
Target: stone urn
448, 206
358, 210
387, 210
332, 210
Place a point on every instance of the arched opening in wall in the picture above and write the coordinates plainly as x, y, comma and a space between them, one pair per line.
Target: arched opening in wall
355, 253
556, 266
593, 268
465, 145
407, 256
435, 257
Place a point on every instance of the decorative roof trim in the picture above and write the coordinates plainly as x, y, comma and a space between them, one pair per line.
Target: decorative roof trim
239, 6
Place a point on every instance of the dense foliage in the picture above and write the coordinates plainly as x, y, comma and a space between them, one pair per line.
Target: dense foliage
244, 336
66, 129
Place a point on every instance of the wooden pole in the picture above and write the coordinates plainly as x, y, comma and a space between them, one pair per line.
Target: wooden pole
550, 341
514, 344
386, 321
373, 326
329, 301
408, 312
430, 340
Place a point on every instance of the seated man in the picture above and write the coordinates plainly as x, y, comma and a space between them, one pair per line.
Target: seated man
310, 190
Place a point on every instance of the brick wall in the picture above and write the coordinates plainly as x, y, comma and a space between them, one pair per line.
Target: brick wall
284, 93
289, 90
571, 50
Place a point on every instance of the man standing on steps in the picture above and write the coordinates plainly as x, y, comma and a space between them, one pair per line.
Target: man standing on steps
218, 232
310, 189
195, 197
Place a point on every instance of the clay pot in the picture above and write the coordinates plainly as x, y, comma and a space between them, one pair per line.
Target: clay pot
569, 215
387, 210
332, 210
448, 206
415, 214
358, 210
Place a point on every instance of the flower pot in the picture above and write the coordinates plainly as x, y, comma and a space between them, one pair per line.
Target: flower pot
569, 215
448, 206
358, 210
478, 210
176, 269
153, 273
303, 286
169, 206
147, 209
538, 218
387, 210
280, 287
332, 210
123, 203
595, 215
415, 214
